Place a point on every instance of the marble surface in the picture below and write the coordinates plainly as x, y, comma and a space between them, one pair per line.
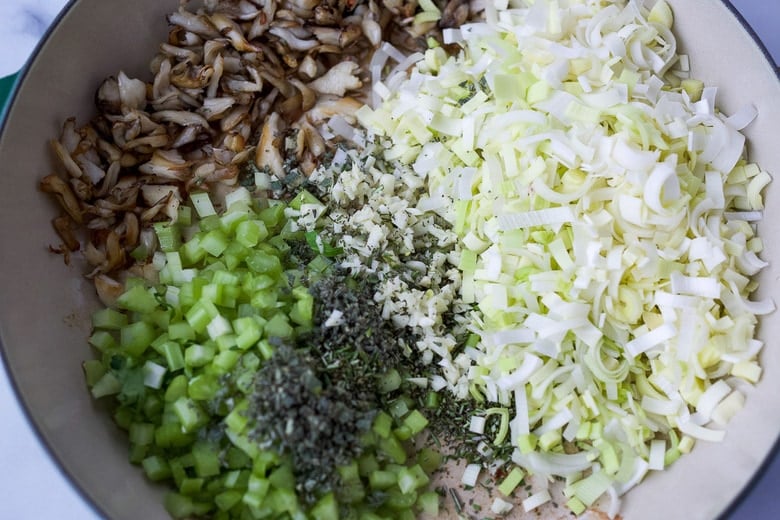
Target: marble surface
33, 487
22, 23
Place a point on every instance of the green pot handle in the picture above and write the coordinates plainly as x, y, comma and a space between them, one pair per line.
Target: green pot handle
6, 84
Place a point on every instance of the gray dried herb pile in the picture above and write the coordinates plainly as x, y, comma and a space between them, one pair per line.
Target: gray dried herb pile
315, 398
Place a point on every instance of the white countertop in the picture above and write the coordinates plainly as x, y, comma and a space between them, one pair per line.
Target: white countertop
33, 487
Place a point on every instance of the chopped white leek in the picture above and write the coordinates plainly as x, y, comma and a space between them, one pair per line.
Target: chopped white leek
470, 475
537, 499
605, 226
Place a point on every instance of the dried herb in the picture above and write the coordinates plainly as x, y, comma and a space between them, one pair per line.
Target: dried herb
312, 400
317, 422
246, 176
361, 342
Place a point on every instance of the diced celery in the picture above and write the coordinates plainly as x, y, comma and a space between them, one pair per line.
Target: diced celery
416, 422
197, 355
190, 292
225, 361
156, 468
264, 263
94, 369
265, 348
367, 464
102, 340
173, 355
249, 233
403, 432
137, 453
234, 255
212, 292
393, 448
203, 387
409, 479
428, 503
352, 493
303, 310
124, 417
389, 382
227, 499
398, 408
257, 489
429, 459
209, 223
222, 277
177, 388
137, 299
168, 236
181, 331
141, 433
214, 242
326, 508
264, 460
202, 203
282, 477
179, 506
237, 479
153, 406
106, 385
273, 216
160, 318
200, 315
171, 435
236, 420
191, 251
191, 486
190, 414
349, 472
178, 472
401, 501
206, 457
184, 215
226, 342
248, 330
278, 327
230, 221
109, 319
383, 424
369, 515
264, 299
382, 479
